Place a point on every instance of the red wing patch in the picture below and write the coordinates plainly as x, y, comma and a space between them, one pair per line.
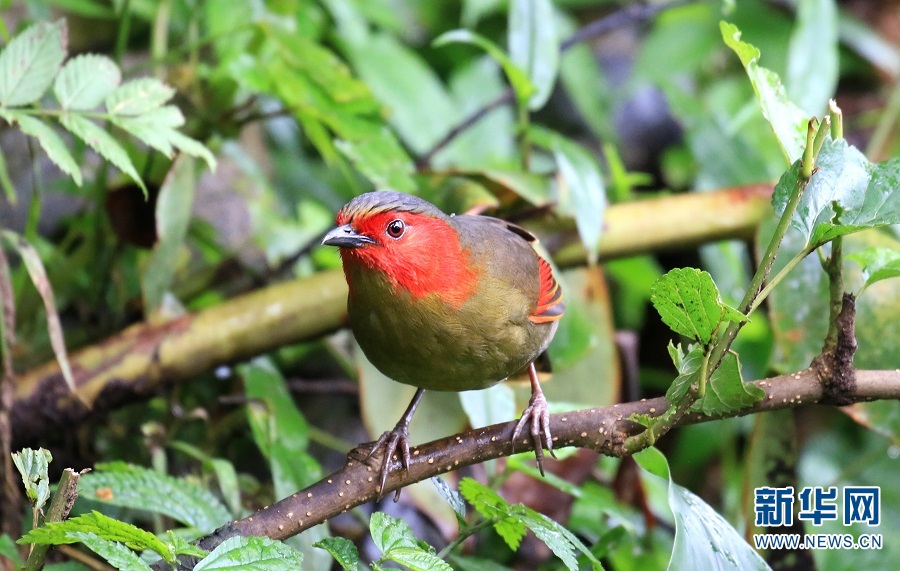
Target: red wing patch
550, 304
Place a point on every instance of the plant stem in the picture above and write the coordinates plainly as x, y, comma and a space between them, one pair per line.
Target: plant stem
834, 269
60, 506
770, 285
465, 534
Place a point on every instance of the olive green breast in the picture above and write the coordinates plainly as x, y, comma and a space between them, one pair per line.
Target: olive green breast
425, 342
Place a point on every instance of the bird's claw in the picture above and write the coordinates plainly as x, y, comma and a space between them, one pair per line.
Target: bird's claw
539, 415
390, 441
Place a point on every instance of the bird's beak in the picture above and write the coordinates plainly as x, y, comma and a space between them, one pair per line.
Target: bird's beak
346, 237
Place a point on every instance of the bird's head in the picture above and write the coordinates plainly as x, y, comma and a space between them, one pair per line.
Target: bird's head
408, 240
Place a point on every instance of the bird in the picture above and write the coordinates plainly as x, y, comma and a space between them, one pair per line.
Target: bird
445, 303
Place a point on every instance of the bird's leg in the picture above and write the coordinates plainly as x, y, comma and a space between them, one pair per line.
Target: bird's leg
399, 436
539, 415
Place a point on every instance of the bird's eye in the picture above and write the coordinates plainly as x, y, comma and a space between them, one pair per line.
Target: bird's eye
396, 229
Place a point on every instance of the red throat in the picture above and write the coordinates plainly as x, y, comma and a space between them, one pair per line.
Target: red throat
427, 259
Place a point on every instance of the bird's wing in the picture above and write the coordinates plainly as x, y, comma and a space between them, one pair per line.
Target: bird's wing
550, 305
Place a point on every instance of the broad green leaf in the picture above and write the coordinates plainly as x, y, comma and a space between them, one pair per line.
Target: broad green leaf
846, 194
252, 554
224, 470
127, 485
103, 143
343, 550
382, 160
85, 81
390, 533
586, 84
418, 105
30, 61
87, 8
173, 214
534, 46
138, 96
116, 554
786, 119
689, 303
153, 127
510, 185
517, 78
726, 391
489, 504
278, 427
877, 264
9, 551
51, 143
32, 465
703, 538
489, 406
41, 282
417, 559
582, 193
72, 530
812, 66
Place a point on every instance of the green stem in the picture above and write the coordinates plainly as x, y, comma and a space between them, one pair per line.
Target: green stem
124, 32
160, 41
465, 534
524, 147
837, 120
834, 269
704, 373
770, 285
62, 502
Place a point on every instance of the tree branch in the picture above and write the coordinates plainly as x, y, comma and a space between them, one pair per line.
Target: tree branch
133, 364
604, 429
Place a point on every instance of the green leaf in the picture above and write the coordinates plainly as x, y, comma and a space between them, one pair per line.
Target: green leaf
51, 143
418, 559
489, 406
95, 523
726, 391
103, 143
181, 546
252, 554
390, 533
703, 538
224, 470
343, 550
138, 96
41, 282
517, 78
85, 81
116, 554
9, 551
382, 160
30, 61
153, 127
812, 66
688, 365
489, 504
278, 427
877, 264
560, 540
32, 465
534, 46
689, 303
419, 107
127, 485
583, 193
173, 214
788, 121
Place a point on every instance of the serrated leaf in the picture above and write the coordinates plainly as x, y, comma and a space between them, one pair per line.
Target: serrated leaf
688, 365
39, 278
52, 143
224, 470
32, 465
103, 143
877, 264
173, 214
786, 119
517, 78
726, 391
534, 46
865, 194
418, 559
85, 81
689, 303
489, 504
138, 96
154, 127
116, 554
703, 538
252, 554
561, 541
181, 546
193, 148
30, 61
390, 533
453, 497
343, 550
127, 485
95, 523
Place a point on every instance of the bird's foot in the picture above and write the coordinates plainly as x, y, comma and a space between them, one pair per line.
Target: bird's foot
389, 442
538, 415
